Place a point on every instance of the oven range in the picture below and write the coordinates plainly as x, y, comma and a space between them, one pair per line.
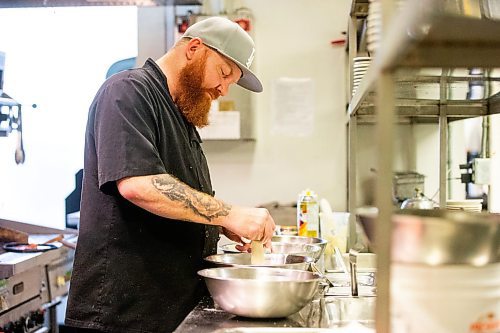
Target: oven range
32, 284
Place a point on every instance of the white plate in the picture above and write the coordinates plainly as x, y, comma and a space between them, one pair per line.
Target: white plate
362, 58
464, 202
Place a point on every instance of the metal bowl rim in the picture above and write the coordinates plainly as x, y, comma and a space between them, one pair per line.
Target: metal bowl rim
317, 277
442, 216
317, 240
307, 259
313, 247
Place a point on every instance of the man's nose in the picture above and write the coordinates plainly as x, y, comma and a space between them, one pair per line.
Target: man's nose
223, 89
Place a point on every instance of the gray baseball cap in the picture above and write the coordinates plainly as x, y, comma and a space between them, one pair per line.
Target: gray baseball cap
229, 39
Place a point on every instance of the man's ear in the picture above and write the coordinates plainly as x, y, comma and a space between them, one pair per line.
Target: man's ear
193, 45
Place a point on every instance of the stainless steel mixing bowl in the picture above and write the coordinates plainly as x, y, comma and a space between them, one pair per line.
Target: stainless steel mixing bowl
442, 237
438, 237
244, 259
302, 240
261, 292
307, 250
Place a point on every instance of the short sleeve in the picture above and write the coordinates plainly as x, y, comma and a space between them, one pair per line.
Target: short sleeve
125, 132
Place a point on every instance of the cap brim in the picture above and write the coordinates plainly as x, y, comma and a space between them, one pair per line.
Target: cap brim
248, 79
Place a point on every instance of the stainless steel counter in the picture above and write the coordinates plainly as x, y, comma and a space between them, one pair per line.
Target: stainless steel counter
323, 314
208, 317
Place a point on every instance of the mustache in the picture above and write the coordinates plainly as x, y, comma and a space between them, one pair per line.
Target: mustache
213, 92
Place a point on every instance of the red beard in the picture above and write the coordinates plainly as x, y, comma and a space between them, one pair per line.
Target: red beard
193, 100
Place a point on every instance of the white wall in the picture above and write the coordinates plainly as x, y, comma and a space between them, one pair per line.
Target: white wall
416, 148
495, 163
292, 40
56, 58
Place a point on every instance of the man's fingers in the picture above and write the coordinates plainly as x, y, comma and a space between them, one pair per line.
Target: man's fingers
243, 248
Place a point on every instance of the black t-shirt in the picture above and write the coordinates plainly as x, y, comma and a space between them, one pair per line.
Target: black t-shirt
135, 271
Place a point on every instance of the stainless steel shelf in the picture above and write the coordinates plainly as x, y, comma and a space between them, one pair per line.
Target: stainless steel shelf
413, 110
423, 35
359, 8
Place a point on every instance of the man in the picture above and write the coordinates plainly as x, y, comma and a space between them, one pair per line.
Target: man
148, 217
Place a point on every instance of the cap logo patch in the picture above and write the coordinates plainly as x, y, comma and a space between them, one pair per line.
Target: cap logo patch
250, 58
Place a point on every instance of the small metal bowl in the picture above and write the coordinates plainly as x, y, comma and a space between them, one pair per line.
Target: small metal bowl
307, 250
261, 292
302, 240
244, 259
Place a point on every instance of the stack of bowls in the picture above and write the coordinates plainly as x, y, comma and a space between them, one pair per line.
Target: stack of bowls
468, 205
299, 249
301, 240
244, 259
278, 287
359, 68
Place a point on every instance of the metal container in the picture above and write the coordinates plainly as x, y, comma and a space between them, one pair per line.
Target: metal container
301, 240
437, 237
307, 250
442, 237
419, 201
261, 292
342, 311
405, 184
281, 260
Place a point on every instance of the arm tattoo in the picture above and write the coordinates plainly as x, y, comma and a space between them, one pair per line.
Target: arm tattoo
200, 203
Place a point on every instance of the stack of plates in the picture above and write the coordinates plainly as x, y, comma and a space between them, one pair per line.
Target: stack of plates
359, 68
374, 24
470, 205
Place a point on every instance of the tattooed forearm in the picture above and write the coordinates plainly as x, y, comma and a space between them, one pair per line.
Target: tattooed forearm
201, 204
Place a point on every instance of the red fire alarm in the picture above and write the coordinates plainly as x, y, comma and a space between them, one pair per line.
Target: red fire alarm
244, 23
182, 27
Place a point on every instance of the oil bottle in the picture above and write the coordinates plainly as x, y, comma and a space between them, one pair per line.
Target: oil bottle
308, 214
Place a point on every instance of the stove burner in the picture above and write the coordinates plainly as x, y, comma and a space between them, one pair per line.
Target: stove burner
27, 247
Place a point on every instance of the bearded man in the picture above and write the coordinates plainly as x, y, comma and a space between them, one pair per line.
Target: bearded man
148, 215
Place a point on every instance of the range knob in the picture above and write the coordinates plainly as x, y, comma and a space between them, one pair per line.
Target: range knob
30, 323
19, 326
9, 327
38, 317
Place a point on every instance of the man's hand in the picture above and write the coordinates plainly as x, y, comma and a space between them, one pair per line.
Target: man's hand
250, 223
243, 243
